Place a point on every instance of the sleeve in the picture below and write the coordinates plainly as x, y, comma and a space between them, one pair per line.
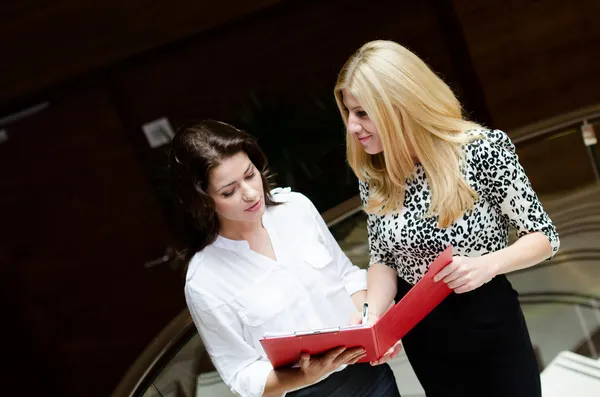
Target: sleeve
505, 184
355, 278
377, 244
240, 366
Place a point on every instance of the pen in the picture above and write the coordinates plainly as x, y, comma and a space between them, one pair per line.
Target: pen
365, 313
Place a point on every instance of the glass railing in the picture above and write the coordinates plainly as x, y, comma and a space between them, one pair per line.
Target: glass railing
560, 298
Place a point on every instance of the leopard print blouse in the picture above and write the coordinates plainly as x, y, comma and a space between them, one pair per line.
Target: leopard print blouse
408, 241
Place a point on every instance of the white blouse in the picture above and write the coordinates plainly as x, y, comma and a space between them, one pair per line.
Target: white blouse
235, 295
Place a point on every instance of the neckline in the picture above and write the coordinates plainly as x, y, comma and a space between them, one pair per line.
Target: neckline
243, 247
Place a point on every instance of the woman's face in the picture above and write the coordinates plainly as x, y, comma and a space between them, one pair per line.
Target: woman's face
360, 126
237, 189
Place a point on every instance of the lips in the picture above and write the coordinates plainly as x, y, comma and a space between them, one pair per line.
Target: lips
365, 138
254, 206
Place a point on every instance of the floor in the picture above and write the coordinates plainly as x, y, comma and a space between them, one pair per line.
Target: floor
554, 327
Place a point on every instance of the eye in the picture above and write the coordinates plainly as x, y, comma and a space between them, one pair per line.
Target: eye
229, 194
249, 177
361, 113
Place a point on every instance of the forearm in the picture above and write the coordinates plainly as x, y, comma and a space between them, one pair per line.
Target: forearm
382, 286
359, 298
281, 381
527, 251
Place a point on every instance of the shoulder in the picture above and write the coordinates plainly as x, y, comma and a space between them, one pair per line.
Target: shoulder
488, 148
292, 201
202, 278
484, 141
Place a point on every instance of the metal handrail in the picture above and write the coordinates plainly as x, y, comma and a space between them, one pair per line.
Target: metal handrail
568, 294
562, 257
555, 124
156, 356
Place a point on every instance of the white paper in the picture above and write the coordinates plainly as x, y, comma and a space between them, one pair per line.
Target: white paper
314, 331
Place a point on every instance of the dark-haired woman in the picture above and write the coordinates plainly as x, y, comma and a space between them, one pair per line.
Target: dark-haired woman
264, 261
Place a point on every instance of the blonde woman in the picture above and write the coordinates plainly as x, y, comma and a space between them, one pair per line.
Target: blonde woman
430, 178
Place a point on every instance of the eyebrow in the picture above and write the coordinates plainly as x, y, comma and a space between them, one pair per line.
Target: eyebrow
234, 182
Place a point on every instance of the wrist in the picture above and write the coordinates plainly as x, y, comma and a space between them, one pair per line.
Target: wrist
376, 309
307, 379
495, 264
496, 269
372, 318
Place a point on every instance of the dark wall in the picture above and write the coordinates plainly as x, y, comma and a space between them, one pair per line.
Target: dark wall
535, 59
79, 221
46, 43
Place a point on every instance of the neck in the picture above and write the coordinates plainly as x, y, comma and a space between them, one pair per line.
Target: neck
237, 230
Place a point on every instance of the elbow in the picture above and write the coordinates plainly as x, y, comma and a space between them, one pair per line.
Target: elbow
251, 381
549, 243
553, 240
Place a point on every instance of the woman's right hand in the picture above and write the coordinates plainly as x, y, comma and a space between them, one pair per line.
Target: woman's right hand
356, 318
314, 369
372, 318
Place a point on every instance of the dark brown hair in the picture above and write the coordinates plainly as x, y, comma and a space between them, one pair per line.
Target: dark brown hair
196, 149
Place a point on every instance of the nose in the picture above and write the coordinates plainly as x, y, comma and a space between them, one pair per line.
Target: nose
249, 194
354, 126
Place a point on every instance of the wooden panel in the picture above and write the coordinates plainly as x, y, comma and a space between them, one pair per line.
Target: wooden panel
535, 59
83, 220
49, 42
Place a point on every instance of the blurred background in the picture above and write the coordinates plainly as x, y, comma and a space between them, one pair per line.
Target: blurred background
91, 91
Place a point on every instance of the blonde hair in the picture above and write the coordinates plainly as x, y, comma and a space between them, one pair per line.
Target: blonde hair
411, 107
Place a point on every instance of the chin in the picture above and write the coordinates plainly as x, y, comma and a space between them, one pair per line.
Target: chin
373, 151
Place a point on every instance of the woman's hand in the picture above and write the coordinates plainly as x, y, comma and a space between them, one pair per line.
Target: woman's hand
372, 318
465, 274
389, 355
356, 318
314, 369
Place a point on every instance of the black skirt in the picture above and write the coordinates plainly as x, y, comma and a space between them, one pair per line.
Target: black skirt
358, 380
474, 344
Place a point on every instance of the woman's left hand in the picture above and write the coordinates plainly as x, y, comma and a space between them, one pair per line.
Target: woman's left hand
465, 274
389, 355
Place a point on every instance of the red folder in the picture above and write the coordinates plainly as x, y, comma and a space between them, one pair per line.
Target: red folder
376, 339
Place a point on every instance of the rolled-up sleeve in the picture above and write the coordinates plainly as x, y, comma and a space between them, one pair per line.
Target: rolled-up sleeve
507, 186
240, 366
